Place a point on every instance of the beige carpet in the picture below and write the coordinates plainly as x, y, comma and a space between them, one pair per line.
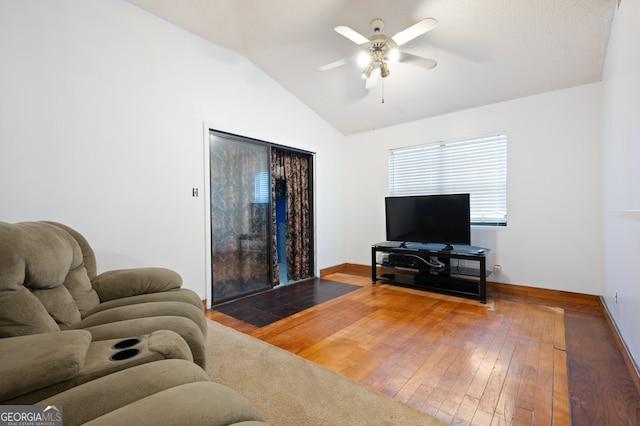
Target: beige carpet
289, 390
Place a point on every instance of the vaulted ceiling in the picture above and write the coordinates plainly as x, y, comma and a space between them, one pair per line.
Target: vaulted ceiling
487, 51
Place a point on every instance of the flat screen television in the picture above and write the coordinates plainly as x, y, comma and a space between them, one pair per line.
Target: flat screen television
441, 219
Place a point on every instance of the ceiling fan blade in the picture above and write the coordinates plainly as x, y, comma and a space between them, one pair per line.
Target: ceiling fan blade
352, 35
414, 31
418, 61
335, 64
373, 79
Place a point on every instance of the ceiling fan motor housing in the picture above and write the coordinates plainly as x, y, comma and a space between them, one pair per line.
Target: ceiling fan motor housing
377, 25
379, 47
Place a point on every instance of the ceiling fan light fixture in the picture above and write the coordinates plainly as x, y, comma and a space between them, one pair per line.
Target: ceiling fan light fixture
367, 72
394, 55
364, 58
384, 70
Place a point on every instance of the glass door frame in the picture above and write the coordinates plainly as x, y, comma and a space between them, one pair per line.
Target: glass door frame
245, 268
207, 131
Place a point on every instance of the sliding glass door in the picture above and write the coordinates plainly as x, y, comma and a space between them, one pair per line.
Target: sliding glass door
240, 217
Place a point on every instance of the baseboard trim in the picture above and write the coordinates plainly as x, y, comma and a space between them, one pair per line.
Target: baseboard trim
347, 268
533, 293
634, 371
541, 294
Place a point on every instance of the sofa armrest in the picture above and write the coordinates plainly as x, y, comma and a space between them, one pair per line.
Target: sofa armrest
132, 282
36, 361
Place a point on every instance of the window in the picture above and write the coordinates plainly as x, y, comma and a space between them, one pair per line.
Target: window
262, 187
475, 165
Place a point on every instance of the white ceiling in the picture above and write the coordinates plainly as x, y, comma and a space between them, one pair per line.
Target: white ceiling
487, 50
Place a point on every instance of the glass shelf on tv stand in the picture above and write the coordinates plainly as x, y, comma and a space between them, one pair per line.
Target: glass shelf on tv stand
450, 279
435, 247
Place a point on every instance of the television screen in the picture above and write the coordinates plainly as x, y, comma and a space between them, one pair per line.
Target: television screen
429, 219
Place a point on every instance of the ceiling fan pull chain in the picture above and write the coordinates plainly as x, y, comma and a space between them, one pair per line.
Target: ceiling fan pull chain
382, 91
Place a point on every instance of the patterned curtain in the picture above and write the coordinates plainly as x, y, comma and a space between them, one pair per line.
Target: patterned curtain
276, 173
295, 169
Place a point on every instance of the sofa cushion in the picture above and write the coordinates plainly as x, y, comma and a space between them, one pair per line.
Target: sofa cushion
201, 403
98, 397
21, 313
37, 361
146, 310
60, 305
12, 266
48, 261
132, 282
88, 256
79, 286
186, 328
181, 295
46, 251
54, 259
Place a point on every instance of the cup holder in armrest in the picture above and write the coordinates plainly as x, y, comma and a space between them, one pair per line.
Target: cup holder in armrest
125, 354
127, 343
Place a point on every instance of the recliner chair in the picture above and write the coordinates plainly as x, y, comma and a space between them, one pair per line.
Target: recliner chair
49, 287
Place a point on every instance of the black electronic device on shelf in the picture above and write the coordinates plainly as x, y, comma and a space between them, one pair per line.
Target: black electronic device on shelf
443, 219
430, 267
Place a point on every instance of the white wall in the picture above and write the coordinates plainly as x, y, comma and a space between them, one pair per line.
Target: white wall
621, 83
102, 108
554, 184
101, 127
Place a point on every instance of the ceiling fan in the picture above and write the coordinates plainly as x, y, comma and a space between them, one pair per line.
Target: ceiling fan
380, 49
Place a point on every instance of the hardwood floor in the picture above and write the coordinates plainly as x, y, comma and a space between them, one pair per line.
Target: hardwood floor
521, 359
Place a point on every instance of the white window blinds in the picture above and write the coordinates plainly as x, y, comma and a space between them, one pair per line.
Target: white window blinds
476, 165
262, 187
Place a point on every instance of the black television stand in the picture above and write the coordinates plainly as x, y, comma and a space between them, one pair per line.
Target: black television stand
429, 267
